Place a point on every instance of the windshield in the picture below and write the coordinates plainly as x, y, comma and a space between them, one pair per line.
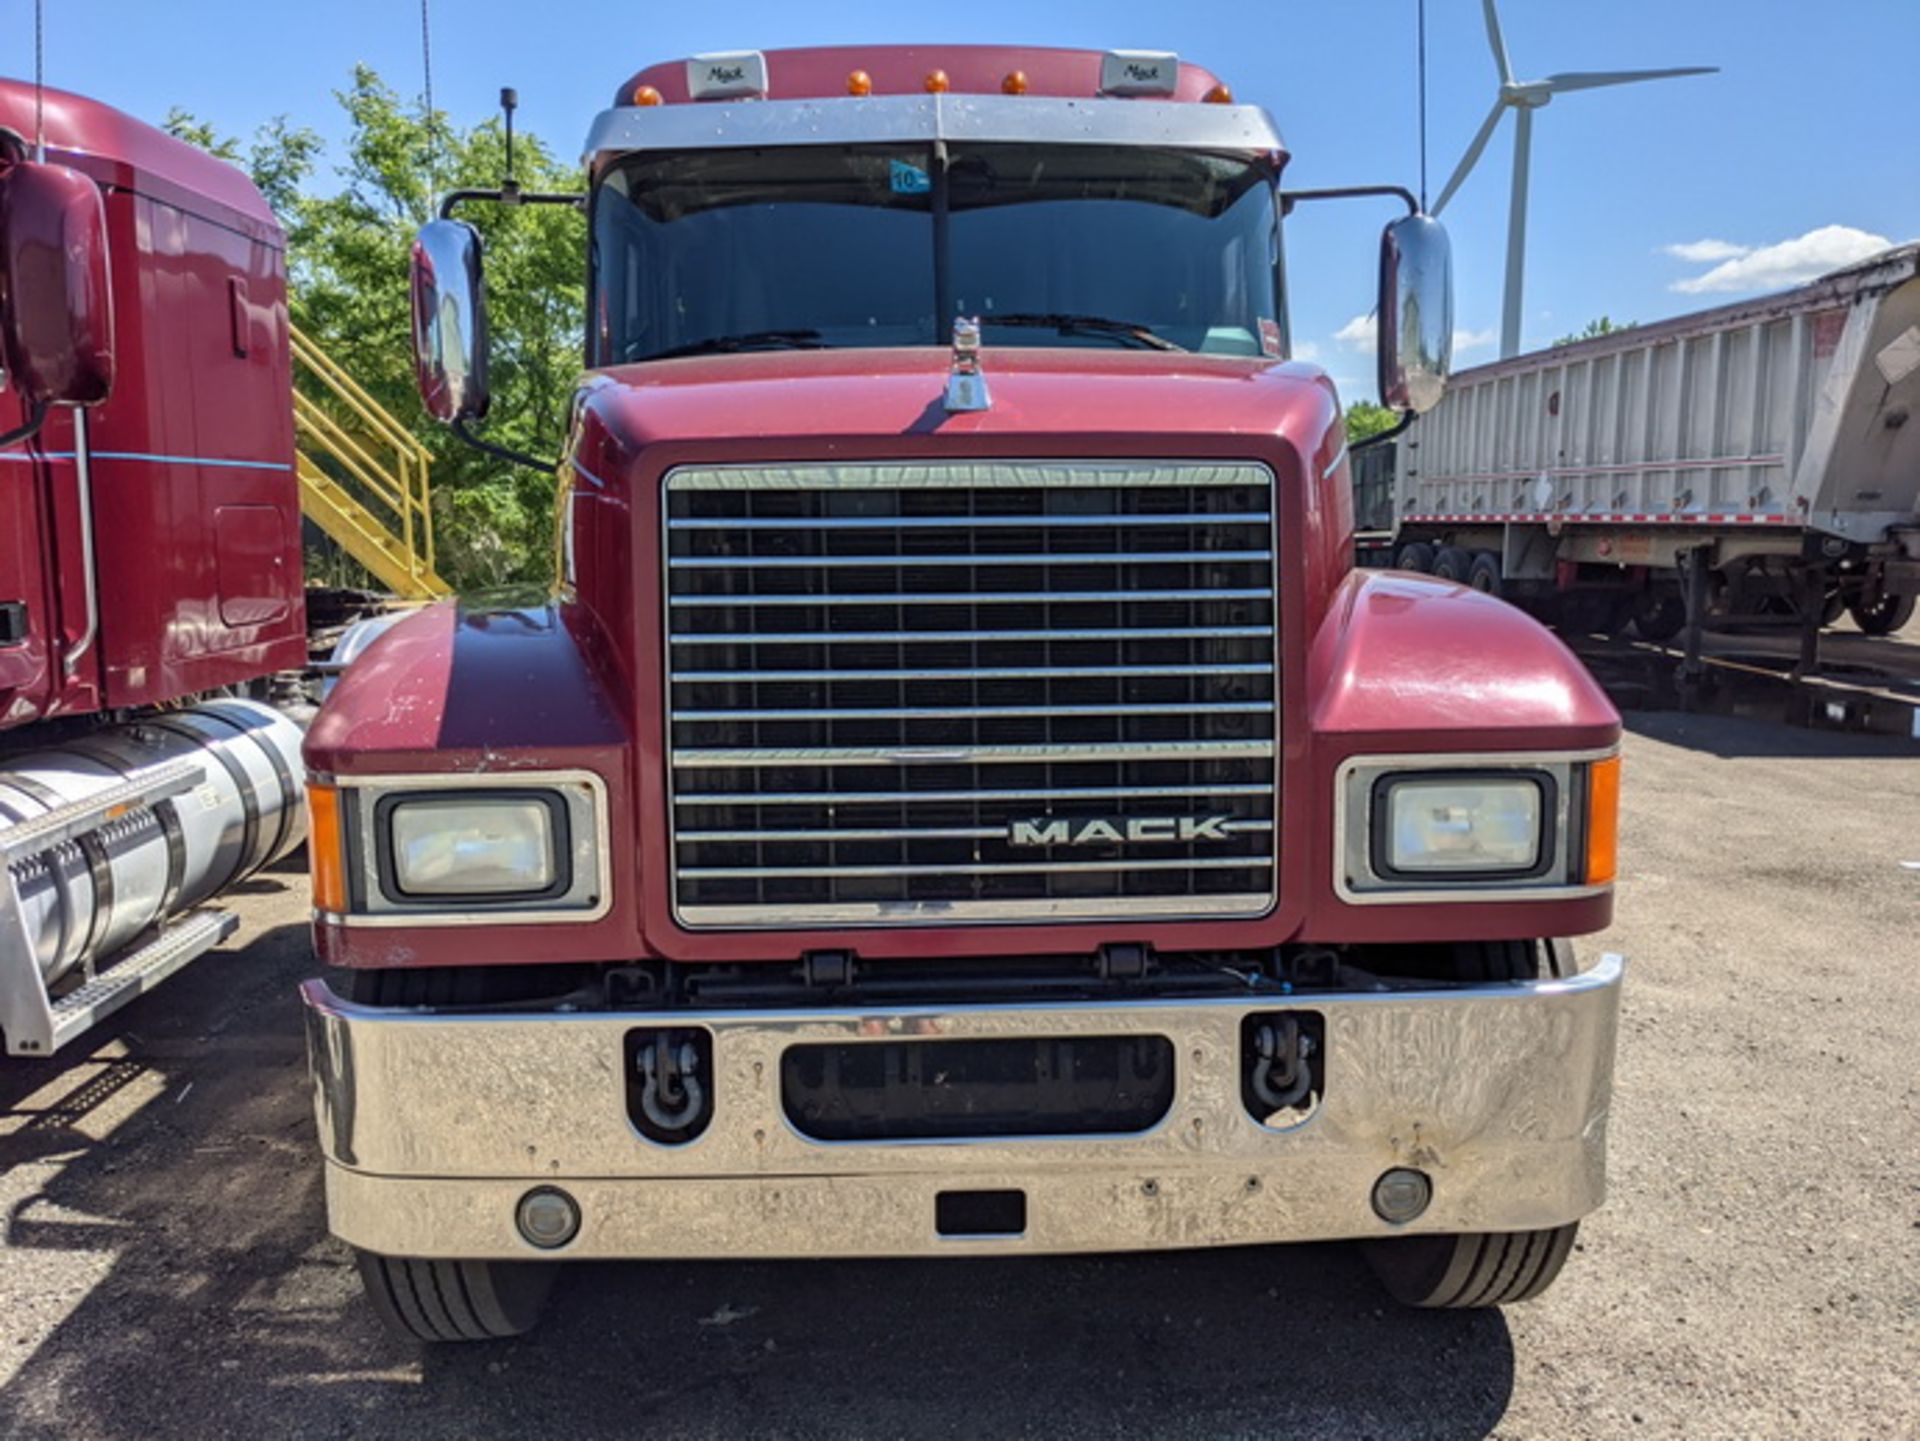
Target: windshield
882, 245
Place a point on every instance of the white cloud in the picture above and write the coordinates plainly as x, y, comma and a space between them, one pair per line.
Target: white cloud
1358, 335
1306, 350
1788, 262
1707, 252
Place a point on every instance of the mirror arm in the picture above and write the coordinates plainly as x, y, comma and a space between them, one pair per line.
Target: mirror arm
1381, 437
1290, 198
35, 419
501, 452
511, 194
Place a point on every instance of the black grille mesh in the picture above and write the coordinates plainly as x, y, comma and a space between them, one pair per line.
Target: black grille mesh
884, 678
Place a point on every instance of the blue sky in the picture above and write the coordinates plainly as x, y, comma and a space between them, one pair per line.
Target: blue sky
1766, 171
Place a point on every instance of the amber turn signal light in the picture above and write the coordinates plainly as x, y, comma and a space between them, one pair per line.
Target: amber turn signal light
326, 855
1603, 821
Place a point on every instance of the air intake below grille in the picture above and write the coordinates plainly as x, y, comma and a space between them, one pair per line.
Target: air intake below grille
1006, 691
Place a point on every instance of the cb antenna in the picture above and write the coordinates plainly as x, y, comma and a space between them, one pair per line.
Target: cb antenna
39, 82
426, 78
1422, 27
509, 102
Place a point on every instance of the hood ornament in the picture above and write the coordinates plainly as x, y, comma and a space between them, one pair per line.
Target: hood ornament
966, 386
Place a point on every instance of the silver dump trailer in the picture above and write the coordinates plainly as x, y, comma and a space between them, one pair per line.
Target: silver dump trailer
1760, 460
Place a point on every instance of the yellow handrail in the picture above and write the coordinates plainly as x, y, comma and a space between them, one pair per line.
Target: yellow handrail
378, 468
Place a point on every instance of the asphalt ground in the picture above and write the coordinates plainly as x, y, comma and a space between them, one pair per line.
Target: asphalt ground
1756, 1270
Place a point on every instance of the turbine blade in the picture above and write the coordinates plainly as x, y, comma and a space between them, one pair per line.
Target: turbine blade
1595, 79
1497, 42
1473, 153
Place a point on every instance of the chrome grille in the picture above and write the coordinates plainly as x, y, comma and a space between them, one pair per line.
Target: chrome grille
878, 674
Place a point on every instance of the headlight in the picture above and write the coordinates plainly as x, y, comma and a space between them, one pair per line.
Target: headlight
498, 846
1433, 826
1509, 825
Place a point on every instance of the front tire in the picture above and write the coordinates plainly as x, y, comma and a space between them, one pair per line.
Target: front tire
441, 1301
1481, 1268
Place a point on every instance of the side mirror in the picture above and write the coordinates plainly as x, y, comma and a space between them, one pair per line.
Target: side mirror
57, 321
1415, 344
450, 321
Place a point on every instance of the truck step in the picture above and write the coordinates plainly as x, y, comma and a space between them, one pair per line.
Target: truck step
138, 971
63, 823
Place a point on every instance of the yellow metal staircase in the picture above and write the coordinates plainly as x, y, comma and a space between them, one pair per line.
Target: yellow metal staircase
364, 479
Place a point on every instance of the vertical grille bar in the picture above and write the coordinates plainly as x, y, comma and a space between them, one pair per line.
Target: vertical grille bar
997, 691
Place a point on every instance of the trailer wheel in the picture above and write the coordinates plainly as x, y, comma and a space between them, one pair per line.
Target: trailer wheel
1883, 616
1416, 555
1453, 563
1659, 615
1483, 574
436, 1301
1481, 1268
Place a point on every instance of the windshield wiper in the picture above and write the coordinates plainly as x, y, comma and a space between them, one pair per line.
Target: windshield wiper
1086, 325
747, 340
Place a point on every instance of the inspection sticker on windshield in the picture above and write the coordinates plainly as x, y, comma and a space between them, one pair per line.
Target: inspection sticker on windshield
910, 179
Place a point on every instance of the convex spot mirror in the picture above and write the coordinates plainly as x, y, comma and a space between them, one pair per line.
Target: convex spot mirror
1415, 346
56, 304
450, 321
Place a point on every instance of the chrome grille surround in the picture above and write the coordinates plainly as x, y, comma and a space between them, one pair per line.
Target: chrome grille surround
875, 669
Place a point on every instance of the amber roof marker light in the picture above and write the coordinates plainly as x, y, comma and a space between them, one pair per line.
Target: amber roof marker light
646, 95
937, 82
1014, 83
859, 83
1221, 94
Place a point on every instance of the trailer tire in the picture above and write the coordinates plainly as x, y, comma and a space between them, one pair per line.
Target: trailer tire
1415, 556
1660, 615
439, 1301
1453, 563
1484, 573
1481, 1268
1884, 616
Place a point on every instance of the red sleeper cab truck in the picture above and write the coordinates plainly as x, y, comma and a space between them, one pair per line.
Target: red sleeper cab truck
962, 798
150, 570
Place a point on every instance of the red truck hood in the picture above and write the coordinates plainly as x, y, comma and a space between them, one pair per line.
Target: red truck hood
896, 394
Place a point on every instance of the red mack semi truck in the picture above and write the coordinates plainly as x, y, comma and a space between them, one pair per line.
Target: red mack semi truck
962, 798
151, 586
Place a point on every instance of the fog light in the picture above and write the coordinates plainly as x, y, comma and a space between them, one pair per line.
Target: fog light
548, 1217
1401, 1195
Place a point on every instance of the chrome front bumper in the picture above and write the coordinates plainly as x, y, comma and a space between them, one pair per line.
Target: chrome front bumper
434, 1126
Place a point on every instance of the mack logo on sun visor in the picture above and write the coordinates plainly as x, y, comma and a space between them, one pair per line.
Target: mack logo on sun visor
1099, 832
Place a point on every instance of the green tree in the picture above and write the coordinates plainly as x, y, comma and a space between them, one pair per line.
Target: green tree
1594, 329
1364, 418
348, 252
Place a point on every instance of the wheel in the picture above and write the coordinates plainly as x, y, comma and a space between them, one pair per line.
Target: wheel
1481, 1268
438, 1301
1451, 562
1832, 608
1483, 572
1416, 555
1660, 615
1883, 616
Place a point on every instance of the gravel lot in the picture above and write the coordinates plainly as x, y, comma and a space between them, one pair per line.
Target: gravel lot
1756, 1271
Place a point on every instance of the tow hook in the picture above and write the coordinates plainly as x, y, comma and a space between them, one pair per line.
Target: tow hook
1281, 1068
669, 1090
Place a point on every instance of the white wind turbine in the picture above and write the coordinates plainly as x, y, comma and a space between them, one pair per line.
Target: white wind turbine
1524, 97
